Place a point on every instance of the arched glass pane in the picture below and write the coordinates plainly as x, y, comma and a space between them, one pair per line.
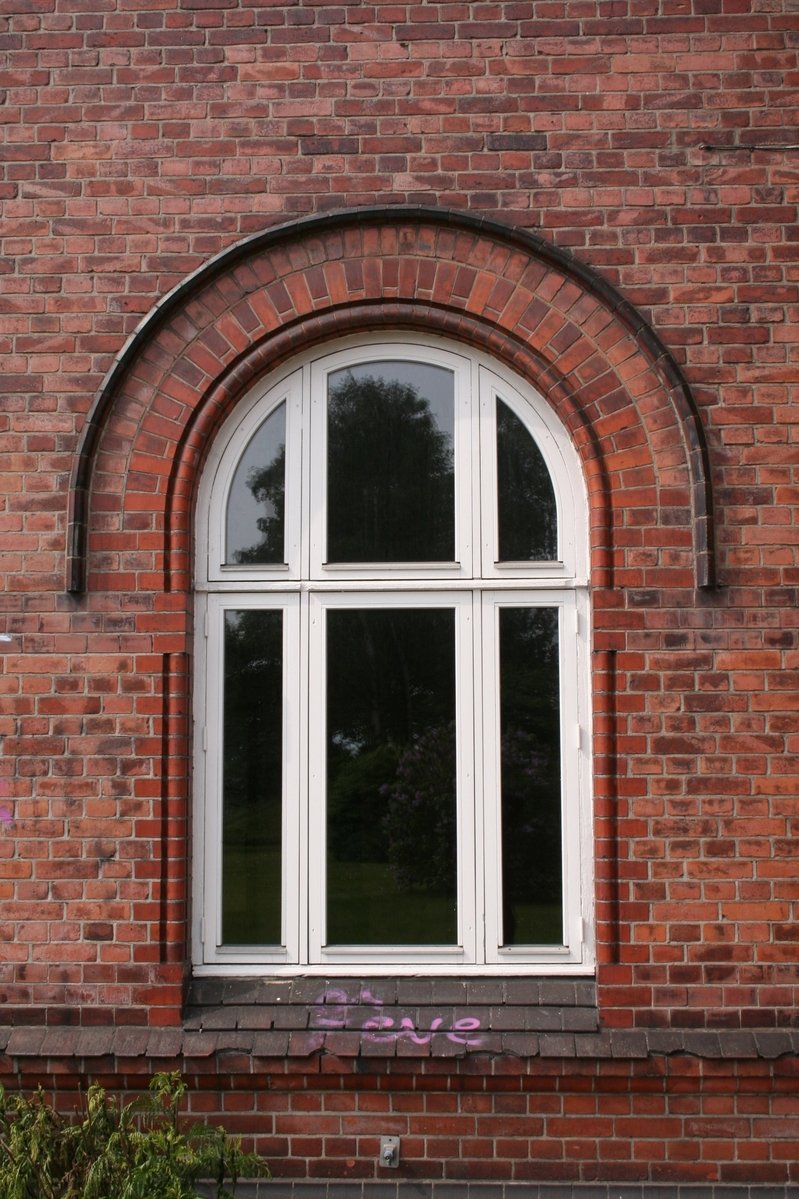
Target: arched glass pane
527, 512
532, 882
255, 527
390, 463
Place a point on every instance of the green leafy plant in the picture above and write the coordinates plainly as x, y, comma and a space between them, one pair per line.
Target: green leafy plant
110, 1151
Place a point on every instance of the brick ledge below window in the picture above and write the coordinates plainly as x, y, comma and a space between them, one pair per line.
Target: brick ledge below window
388, 1017
392, 1018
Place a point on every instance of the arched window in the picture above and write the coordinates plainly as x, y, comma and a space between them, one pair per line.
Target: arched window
391, 699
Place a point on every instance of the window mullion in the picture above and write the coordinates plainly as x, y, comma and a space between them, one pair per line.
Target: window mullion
467, 549
576, 827
296, 473
486, 440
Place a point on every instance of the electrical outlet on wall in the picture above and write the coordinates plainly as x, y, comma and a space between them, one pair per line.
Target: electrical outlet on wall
389, 1152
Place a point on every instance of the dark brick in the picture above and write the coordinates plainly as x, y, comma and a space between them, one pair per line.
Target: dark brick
593, 1046
270, 1044
520, 1044
628, 1044
579, 1019
221, 1017
130, 1042
199, 1044
95, 1042
544, 1019
516, 141
556, 1045
164, 1042
60, 1042
25, 1042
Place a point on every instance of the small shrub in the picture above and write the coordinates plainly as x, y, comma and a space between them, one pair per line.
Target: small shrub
109, 1151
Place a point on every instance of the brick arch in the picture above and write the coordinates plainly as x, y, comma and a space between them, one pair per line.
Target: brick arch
554, 321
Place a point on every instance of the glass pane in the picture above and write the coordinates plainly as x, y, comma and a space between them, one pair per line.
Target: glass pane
527, 514
391, 811
532, 911
256, 503
390, 465
252, 793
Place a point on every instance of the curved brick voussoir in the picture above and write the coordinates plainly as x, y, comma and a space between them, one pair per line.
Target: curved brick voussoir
604, 371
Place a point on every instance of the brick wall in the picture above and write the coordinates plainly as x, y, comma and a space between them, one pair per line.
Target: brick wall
558, 1120
656, 144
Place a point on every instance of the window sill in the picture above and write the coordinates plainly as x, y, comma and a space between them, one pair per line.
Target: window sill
392, 1017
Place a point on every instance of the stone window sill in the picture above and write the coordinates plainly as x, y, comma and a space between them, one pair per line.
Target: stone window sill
391, 1017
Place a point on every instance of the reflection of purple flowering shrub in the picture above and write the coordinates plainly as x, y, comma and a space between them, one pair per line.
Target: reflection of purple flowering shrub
420, 816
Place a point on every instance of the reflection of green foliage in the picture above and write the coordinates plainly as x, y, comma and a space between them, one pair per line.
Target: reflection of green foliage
391, 479
253, 773
253, 726
251, 898
365, 907
528, 529
391, 677
530, 747
530, 818
420, 818
355, 807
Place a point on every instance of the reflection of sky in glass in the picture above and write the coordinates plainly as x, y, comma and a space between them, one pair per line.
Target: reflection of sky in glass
433, 383
243, 510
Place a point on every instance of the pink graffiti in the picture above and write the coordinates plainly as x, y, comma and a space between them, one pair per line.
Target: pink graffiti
333, 1005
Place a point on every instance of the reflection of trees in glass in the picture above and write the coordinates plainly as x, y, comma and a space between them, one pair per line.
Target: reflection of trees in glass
390, 681
252, 784
355, 828
392, 759
391, 677
420, 816
527, 512
419, 821
530, 764
391, 482
254, 527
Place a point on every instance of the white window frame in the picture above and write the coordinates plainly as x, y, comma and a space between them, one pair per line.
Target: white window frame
476, 585
251, 414
463, 951
573, 711
294, 831
320, 370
